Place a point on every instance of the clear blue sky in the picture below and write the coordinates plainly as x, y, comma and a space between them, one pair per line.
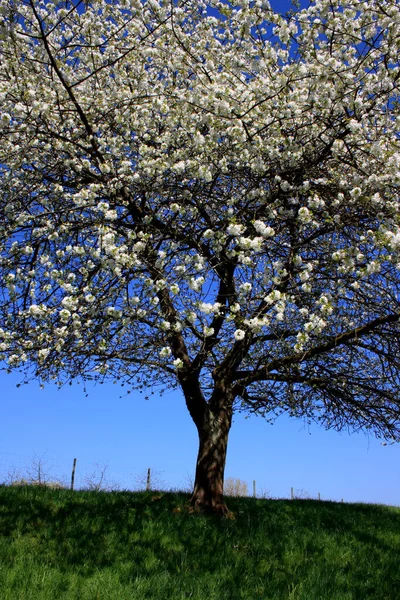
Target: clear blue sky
131, 434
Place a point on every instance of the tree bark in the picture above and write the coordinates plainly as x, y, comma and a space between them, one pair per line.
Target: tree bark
208, 493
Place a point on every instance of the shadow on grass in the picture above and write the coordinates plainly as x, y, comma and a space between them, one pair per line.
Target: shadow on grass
304, 548
91, 529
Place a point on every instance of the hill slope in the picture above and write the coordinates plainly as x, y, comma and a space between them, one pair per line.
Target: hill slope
56, 544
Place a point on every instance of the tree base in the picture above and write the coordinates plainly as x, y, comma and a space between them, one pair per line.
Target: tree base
210, 506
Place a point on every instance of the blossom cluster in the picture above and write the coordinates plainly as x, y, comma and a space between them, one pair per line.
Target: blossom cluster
190, 185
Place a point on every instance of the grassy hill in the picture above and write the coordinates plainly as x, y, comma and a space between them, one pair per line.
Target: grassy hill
56, 544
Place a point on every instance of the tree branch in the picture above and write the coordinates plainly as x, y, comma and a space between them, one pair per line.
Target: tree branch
247, 377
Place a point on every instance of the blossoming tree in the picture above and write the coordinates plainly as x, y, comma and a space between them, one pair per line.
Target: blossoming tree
205, 195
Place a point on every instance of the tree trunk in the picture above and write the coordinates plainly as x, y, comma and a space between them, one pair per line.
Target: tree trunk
209, 482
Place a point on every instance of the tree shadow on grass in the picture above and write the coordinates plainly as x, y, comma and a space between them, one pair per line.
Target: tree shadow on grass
277, 542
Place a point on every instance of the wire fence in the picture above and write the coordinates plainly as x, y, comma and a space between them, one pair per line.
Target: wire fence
71, 473
18, 469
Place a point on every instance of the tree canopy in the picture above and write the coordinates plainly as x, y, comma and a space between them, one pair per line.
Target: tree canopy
205, 195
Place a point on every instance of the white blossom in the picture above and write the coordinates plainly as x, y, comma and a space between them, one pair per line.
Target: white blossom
64, 315
355, 192
165, 352
43, 354
235, 229
177, 326
273, 296
239, 334
208, 308
112, 311
175, 288
251, 243
35, 310
304, 215
208, 331
90, 298
69, 303
196, 283
245, 287
264, 230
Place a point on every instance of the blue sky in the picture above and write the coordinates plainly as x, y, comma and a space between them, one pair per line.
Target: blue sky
130, 434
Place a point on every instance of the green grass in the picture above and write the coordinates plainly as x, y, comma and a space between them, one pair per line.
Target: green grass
56, 544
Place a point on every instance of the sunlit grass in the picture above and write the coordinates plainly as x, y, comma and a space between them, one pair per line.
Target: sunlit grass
56, 544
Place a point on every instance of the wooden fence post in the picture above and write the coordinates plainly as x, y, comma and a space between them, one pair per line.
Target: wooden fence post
73, 474
148, 480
